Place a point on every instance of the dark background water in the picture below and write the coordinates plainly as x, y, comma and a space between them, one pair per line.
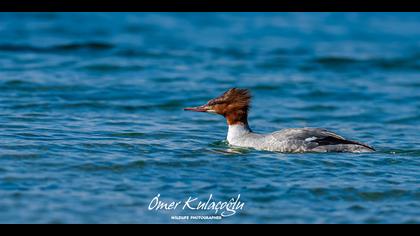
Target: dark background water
92, 126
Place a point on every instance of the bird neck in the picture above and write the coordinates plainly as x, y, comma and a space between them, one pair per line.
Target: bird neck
237, 131
237, 117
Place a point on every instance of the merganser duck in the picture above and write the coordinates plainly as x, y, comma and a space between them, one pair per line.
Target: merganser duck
234, 106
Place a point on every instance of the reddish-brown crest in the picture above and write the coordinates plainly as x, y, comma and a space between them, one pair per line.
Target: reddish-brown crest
233, 104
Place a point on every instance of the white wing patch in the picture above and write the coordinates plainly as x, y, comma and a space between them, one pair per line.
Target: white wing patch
311, 139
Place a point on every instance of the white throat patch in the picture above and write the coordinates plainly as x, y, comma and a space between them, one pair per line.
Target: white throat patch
236, 131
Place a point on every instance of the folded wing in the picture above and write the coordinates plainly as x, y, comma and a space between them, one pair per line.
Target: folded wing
315, 137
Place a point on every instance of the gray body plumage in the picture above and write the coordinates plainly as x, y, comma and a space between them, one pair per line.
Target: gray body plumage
294, 140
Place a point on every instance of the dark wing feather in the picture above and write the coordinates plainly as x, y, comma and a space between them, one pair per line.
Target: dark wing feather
319, 136
329, 140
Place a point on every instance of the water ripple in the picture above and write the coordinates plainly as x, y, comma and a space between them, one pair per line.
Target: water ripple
92, 126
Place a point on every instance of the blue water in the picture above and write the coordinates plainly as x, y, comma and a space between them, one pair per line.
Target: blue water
92, 126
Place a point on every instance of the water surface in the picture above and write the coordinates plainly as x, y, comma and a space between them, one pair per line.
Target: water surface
92, 126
